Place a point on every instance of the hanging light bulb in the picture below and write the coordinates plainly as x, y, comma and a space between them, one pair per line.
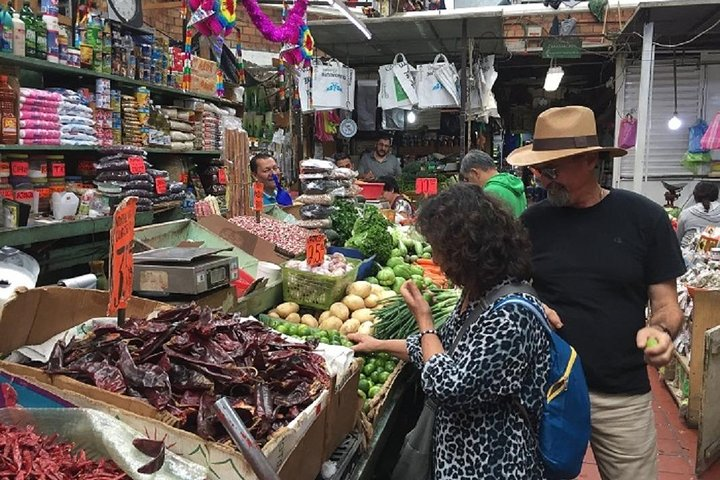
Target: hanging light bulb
675, 123
553, 78
411, 117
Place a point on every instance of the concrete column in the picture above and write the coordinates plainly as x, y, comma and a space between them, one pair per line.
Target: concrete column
647, 68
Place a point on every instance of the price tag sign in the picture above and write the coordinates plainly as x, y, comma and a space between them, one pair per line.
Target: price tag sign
6, 193
426, 186
222, 176
315, 250
184, 178
160, 185
23, 195
19, 169
258, 191
58, 169
121, 255
136, 164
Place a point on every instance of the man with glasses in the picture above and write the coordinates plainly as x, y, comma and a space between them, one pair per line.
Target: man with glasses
380, 163
599, 257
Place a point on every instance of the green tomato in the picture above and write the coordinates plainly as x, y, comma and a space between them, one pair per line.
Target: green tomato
283, 328
368, 370
303, 330
362, 395
375, 377
427, 256
390, 366
383, 377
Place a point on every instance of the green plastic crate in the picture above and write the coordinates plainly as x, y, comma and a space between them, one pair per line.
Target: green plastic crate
314, 290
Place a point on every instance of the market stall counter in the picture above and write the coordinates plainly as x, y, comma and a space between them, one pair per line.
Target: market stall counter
31, 318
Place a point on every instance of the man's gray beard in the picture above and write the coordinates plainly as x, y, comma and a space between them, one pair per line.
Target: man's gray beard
558, 196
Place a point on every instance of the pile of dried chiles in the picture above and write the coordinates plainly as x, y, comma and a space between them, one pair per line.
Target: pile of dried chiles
184, 359
26, 454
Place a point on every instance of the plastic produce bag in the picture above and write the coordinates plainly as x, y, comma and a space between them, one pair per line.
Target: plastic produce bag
628, 132
304, 82
437, 84
333, 86
397, 84
711, 138
315, 212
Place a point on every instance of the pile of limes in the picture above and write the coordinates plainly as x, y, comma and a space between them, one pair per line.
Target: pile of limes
376, 369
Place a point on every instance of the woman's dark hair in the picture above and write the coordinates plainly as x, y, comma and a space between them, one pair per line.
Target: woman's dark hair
705, 192
389, 184
477, 240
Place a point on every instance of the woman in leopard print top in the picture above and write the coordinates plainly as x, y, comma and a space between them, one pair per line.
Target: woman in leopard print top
502, 357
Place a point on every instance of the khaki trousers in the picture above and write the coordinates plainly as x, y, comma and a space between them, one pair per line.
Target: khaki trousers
624, 440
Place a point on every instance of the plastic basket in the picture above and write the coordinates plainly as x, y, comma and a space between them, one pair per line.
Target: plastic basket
315, 290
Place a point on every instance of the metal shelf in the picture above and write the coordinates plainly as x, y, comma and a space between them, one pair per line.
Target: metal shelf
73, 148
55, 231
45, 66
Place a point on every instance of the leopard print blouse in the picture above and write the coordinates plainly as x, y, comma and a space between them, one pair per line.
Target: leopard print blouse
479, 432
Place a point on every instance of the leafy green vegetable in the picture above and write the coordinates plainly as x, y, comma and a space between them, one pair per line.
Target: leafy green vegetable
370, 235
343, 219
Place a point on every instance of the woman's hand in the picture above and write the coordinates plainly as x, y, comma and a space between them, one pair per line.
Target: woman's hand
364, 343
417, 305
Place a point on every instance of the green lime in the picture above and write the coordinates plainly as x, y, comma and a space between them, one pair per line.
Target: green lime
346, 343
293, 330
375, 377
362, 395
383, 377
368, 369
373, 391
364, 385
651, 342
362, 376
383, 356
282, 329
303, 330
390, 366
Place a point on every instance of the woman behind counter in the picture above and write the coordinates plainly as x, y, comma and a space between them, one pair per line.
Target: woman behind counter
503, 355
404, 211
705, 212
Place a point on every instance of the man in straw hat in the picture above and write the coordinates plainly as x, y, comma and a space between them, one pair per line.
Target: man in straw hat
599, 256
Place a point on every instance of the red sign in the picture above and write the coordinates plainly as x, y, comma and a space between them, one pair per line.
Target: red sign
6, 193
137, 165
58, 169
426, 186
315, 250
121, 255
160, 185
258, 191
222, 176
23, 195
19, 169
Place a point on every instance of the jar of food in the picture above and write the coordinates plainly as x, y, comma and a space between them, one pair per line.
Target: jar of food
43, 193
56, 185
56, 166
6, 191
24, 193
38, 169
19, 169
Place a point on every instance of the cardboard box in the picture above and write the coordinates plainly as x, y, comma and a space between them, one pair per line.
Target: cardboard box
297, 442
238, 236
343, 409
33, 316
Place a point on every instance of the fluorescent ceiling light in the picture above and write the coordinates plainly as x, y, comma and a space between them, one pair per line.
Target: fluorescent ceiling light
553, 78
342, 8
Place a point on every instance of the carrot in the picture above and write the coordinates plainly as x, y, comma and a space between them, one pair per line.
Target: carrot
426, 262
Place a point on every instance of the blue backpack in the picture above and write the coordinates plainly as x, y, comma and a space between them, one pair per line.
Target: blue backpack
565, 421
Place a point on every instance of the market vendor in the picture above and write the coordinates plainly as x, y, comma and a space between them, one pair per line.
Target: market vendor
343, 160
705, 212
479, 168
263, 168
379, 163
404, 211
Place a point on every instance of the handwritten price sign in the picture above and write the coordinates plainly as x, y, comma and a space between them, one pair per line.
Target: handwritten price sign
426, 186
315, 250
222, 176
258, 191
160, 185
136, 165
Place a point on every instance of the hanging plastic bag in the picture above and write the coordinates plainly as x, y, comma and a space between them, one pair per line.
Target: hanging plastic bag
397, 84
696, 134
333, 86
711, 138
628, 132
437, 84
304, 82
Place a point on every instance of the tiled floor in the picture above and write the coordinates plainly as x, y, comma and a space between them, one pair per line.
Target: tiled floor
677, 444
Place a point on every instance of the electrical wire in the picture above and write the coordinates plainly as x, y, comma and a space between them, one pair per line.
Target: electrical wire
681, 44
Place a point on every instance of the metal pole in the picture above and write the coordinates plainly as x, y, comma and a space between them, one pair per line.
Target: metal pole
620, 62
463, 88
647, 66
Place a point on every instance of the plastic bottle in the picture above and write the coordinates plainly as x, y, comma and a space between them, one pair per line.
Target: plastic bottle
8, 120
63, 39
18, 35
53, 31
28, 17
41, 42
188, 206
7, 32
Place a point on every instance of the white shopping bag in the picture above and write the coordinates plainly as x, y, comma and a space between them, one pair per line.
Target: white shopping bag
437, 84
333, 86
397, 84
304, 83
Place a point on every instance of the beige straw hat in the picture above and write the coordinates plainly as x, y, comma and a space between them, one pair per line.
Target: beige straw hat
559, 133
